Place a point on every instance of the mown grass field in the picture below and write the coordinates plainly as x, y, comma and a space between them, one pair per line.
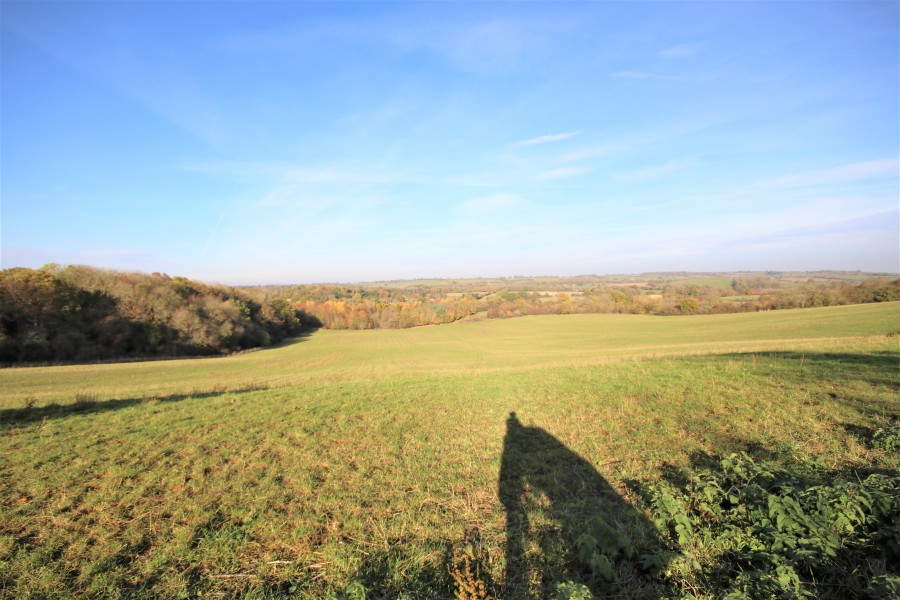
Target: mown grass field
349, 460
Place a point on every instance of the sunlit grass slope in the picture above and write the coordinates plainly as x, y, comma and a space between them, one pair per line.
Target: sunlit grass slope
477, 347
361, 458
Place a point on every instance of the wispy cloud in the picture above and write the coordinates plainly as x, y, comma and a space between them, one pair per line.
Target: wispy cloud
881, 221
143, 71
544, 139
489, 204
489, 45
170, 92
673, 166
562, 172
889, 167
337, 175
215, 229
796, 236
584, 153
679, 51
290, 172
475, 45
281, 198
644, 75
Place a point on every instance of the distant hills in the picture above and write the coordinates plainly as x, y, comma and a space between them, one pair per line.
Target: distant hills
80, 313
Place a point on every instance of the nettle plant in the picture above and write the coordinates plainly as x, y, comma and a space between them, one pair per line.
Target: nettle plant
755, 529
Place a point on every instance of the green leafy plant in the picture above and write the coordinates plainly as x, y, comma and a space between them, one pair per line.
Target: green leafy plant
887, 438
756, 529
884, 587
572, 591
354, 591
599, 546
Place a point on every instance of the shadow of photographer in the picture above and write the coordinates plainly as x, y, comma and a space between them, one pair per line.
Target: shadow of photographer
553, 497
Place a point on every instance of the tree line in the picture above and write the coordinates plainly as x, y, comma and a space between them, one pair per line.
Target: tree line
79, 313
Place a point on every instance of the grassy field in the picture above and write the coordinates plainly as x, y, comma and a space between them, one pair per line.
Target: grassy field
376, 459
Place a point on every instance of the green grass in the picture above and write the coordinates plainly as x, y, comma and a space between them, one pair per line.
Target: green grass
370, 457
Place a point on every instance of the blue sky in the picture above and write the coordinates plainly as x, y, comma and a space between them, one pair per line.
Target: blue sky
280, 142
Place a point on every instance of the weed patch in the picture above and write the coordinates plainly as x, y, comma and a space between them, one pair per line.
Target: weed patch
470, 568
85, 400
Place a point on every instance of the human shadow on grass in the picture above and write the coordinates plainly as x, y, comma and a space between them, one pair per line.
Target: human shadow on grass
87, 404
566, 523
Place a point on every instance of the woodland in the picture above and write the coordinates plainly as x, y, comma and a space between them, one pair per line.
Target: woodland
78, 313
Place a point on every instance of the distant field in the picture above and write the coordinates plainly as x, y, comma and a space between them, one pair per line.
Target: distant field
716, 282
637, 284
352, 459
862, 277
419, 282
